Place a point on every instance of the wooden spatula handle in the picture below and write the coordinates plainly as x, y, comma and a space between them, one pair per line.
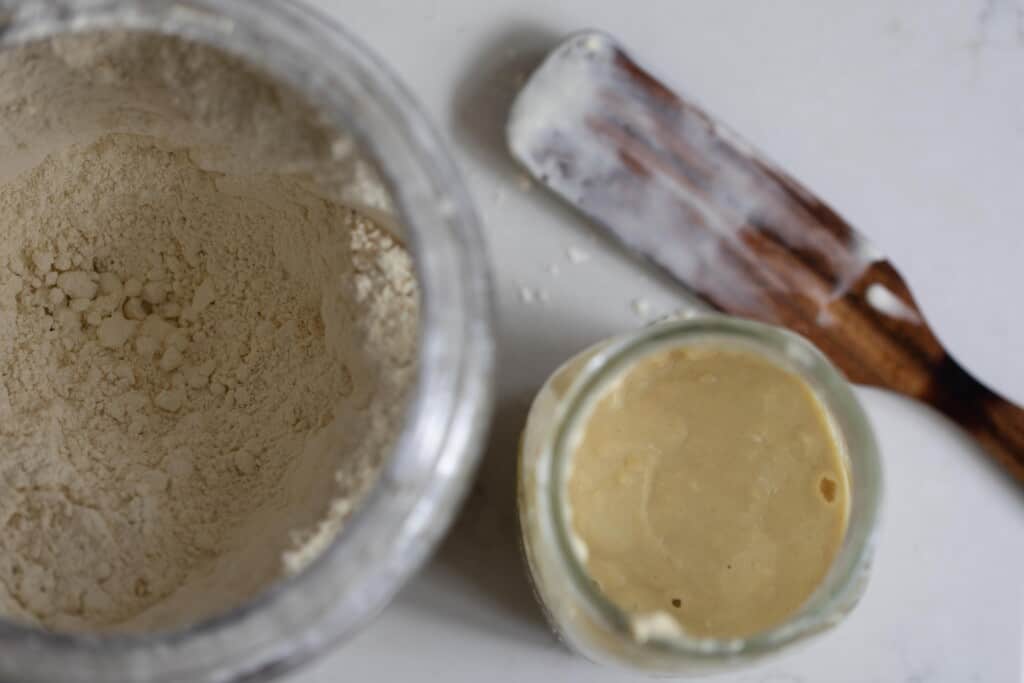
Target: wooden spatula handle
994, 422
877, 334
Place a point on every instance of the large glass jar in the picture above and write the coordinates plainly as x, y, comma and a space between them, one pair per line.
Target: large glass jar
580, 614
428, 471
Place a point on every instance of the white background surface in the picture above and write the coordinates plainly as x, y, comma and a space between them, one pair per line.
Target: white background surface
909, 118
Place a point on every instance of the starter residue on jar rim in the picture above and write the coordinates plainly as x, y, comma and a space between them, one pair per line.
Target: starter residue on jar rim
207, 343
707, 493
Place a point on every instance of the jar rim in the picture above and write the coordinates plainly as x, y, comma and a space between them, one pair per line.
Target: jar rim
845, 580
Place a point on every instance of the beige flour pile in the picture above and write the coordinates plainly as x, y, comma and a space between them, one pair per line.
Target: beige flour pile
200, 371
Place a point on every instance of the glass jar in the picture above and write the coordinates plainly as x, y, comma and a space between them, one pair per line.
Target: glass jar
427, 474
580, 614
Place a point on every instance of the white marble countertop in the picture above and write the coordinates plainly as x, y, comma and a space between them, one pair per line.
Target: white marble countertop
909, 118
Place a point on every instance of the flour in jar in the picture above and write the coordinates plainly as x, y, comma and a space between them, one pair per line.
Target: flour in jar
200, 375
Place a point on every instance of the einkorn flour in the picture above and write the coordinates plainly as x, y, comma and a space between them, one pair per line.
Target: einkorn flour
203, 355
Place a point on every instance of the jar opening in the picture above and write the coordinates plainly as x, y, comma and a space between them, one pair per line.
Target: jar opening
843, 583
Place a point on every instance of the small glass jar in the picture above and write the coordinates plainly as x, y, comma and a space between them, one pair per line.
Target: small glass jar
580, 614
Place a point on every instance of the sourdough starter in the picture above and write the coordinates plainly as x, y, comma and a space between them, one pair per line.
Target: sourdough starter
708, 486
205, 340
